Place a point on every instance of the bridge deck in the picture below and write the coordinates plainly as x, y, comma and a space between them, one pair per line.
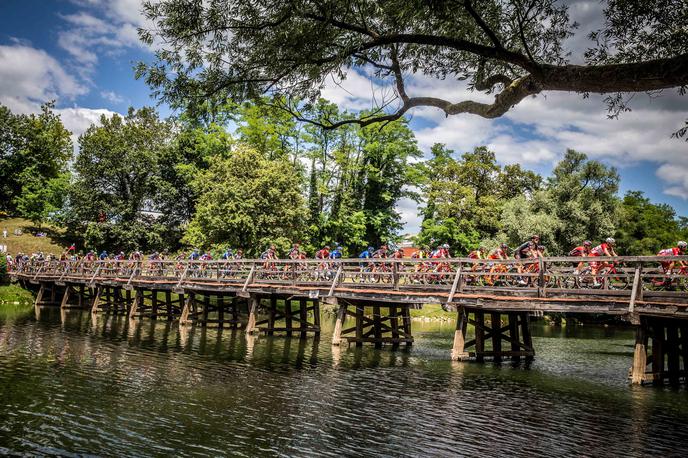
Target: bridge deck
630, 284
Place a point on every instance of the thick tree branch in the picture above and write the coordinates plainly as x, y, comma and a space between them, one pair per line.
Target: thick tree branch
482, 24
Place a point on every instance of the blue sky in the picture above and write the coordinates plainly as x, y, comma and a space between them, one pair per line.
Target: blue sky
81, 53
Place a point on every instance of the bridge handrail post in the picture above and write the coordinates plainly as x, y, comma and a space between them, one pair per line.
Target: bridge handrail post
95, 274
457, 284
637, 287
183, 275
38, 271
395, 275
541, 277
249, 278
335, 281
133, 274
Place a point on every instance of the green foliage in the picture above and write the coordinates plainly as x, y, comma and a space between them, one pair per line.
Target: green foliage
117, 180
41, 199
3, 268
464, 196
34, 149
645, 228
247, 201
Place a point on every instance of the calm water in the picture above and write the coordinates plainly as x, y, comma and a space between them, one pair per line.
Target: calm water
108, 387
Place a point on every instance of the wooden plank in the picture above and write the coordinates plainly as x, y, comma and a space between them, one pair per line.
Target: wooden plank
253, 310
341, 317
496, 324
359, 325
479, 334
458, 353
636, 286
639, 355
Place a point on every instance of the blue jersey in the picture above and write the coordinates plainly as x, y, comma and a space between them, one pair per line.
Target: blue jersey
103, 255
365, 255
336, 254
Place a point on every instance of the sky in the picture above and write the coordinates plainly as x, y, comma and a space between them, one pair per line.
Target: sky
81, 54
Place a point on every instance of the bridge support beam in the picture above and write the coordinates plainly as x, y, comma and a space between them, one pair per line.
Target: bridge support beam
155, 304
661, 351
49, 294
77, 296
288, 314
512, 328
378, 323
217, 309
111, 300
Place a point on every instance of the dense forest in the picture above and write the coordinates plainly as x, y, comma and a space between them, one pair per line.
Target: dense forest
255, 176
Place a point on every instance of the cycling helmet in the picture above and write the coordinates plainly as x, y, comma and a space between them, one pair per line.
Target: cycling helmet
371, 248
610, 241
504, 246
682, 245
445, 246
541, 247
587, 243
535, 236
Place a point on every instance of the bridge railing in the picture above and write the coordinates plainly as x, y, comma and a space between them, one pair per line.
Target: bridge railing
549, 276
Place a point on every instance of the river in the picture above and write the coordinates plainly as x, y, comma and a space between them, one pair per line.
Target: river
75, 385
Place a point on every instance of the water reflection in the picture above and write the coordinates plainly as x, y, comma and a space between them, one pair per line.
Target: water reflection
72, 384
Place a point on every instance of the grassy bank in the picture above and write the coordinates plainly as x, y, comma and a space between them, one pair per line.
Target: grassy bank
13, 294
27, 242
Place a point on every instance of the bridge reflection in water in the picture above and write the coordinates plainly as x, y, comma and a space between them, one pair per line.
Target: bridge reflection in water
495, 298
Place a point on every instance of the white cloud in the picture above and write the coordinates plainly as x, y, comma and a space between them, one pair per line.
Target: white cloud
112, 96
77, 120
29, 77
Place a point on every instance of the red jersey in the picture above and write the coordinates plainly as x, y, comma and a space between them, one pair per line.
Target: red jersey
579, 251
498, 254
669, 252
599, 250
322, 254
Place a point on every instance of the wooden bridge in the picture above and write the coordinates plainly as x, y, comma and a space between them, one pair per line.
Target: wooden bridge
284, 296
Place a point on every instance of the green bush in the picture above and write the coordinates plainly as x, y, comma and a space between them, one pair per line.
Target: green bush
3, 268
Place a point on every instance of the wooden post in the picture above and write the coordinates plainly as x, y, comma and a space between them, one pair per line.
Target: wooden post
65, 297
341, 317
541, 277
253, 309
527, 337
479, 335
184, 319
672, 350
394, 324
303, 317
640, 354
359, 325
657, 352
206, 309
406, 320
39, 296
456, 285
170, 308
513, 333
377, 329
458, 353
96, 300
220, 307
496, 322
138, 298
316, 317
395, 275
287, 315
636, 286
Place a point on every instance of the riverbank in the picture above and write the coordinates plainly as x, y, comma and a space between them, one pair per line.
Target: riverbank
15, 295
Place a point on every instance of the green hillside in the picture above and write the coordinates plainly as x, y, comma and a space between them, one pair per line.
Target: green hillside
27, 242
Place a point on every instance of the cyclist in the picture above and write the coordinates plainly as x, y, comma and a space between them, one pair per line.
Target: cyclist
499, 253
678, 250
480, 253
336, 253
228, 254
239, 254
380, 253
103, 256
195, 255
367, 254
324, 253
603, 249
581, 251
295, 252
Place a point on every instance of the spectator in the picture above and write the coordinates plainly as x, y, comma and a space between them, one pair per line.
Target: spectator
4, 233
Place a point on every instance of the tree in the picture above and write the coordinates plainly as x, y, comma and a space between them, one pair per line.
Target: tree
645, 228
39, 200
584, 199
464, 196
241, 50
34, 149
112, 199
247, 201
